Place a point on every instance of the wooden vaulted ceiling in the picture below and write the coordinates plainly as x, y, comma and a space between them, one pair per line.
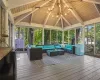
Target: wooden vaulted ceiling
60, 13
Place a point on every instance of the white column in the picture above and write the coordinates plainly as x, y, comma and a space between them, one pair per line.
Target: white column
10, 35
13, 37
6, 26
83, 35
63, 37
43, 36
50, 36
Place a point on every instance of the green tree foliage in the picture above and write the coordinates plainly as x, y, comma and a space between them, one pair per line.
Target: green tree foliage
53, 36
46, 36
71, 35
89, 34
97, 36
60, 37
66, 37
37, 37
26, 36
89, 39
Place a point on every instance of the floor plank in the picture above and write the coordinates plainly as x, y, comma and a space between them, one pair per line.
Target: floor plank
63, 67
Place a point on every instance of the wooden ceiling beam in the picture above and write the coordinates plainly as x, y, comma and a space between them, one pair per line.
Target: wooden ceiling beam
35, 25
19, 5
32, 11
62, 22
22, 12
60, 13
49, 13
96, 8
92, 1
59, 5
46, 20
57, 21
66, 20
73, 12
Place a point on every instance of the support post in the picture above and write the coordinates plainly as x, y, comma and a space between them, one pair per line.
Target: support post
13, 38
83, 37
6, 27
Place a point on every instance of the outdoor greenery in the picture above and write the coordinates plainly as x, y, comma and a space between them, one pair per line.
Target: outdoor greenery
71, 35
56, 36
97, 36
60, 37
53, 36
46, 36
26, 36
66, 37
89, 39
37, 37
91, 34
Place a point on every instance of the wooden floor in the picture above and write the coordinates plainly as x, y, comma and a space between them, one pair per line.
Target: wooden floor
65, 67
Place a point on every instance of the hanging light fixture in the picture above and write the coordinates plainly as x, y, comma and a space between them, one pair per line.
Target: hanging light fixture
52, 15
47, 12
65, 6
65, 14
49, 9
57, 16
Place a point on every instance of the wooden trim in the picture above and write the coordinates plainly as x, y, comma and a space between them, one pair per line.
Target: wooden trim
66, 21
34, 25
92, 1
96, 20
62, 22
25, 3
4, 51
57, 21
75, 14
52, 8
31, 12
11, 18
97, 9
22, 12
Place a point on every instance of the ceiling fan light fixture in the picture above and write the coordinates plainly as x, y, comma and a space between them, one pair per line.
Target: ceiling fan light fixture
57, 16
69, 9
52, 15
49, 9
65, 14
65, 6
